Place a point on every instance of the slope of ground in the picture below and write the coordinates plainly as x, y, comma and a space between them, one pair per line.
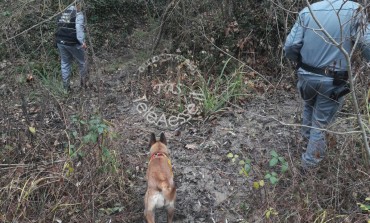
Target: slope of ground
210, 186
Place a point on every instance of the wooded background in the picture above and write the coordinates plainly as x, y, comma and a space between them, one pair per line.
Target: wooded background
62, 161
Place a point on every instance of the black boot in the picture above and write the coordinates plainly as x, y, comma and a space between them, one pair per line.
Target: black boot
83, 82
66, 87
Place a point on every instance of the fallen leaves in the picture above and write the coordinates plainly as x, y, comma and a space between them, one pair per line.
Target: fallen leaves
32, 130
191, 146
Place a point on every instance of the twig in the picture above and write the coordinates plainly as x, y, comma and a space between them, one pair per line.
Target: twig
164, 18
34, 26
250, 68
15, 165
299, 125
363, 173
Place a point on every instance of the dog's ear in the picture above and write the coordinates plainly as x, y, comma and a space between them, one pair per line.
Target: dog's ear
162, 138
152, 139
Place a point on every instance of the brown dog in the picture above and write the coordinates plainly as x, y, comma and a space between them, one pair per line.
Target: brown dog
161, 189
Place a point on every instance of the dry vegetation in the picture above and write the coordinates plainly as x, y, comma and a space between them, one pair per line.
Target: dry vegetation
63, 158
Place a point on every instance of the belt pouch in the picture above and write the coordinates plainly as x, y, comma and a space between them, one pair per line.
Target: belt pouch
340, 78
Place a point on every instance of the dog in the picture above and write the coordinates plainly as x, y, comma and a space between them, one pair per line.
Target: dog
161, 190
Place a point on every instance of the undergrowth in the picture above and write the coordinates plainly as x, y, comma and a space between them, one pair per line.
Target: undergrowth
223, 91
60, 159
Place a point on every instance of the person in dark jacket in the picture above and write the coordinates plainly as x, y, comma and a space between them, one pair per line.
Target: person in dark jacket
323, 67
70, 38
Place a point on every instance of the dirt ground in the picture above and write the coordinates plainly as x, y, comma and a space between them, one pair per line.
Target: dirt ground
210, 187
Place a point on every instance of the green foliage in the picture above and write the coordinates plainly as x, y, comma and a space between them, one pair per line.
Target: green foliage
275, 161
245, 164
93, 133
270, 211
365, 207
6, 13
225, 89
244, 206
49, 74
258, 184
273, 177
109, 211
95, 128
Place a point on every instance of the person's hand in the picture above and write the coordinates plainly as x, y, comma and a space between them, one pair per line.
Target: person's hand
84, 46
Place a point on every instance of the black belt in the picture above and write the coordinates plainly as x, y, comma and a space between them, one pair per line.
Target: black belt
321, 71
67, 43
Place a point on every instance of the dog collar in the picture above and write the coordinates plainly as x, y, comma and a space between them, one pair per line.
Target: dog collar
155, 155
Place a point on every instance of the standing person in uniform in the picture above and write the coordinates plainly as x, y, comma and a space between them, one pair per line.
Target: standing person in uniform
323, 68
70, 38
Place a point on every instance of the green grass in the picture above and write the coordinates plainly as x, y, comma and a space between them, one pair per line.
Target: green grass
225, 90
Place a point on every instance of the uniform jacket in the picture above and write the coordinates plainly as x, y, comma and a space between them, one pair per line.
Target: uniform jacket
70, 27
343, 20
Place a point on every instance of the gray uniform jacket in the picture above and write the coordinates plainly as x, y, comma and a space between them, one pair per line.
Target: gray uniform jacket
343, 20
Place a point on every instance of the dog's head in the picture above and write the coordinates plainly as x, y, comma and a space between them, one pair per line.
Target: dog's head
158, 146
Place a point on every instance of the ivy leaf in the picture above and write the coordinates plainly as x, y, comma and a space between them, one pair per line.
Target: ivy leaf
261, 183
247, 167
32, 129
7, 13
110, 211
273, 162
241, 162
243, 171
69, 168
74, 133
268, 176
81, 154
365, 207
284, 167
230, 155
74, 119
268, 213
273, 180
100, 129
281, 159
91, 137
273, 153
